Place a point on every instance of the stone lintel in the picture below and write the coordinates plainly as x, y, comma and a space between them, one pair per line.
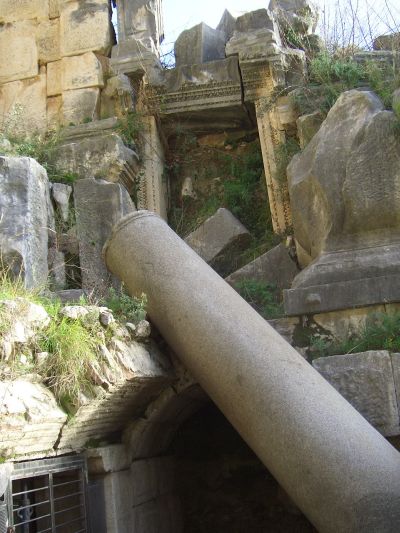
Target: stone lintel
342, 295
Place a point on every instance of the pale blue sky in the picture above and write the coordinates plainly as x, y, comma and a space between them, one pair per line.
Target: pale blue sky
182, 14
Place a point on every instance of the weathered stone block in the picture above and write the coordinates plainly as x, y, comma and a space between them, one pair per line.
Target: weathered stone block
99, 205
85, 27
255, 20
80, 105
348, 322
275, 267
219, 238
366, 381
23, 105
106, 459
24, 203
75, 72
118, 501
102, 156
299, 15
48, 41
18, 51
141, 21
23, 10
227, 24
81, 71
200, 44
307, 127
30, 420
344, 203
54, 106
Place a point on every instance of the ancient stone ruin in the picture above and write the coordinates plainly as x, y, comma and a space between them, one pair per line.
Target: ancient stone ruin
199, 312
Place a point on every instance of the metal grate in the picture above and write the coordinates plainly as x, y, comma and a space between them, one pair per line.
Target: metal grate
48, 496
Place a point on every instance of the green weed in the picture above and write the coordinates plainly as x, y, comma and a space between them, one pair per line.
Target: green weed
264, 297
126, 307
381, 332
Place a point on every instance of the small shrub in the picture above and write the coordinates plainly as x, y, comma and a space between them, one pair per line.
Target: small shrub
129, 127
263, 296
381, 332
126, 307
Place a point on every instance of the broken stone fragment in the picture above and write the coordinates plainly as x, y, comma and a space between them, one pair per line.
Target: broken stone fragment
188, 189
61, 194
275, 267
366, 380
199, 44
307, 127
300, 16
106, 317
24, 212
74, 312
143, 330
219, 239
24, 319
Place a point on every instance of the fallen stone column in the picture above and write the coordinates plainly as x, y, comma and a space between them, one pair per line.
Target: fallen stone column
340, 471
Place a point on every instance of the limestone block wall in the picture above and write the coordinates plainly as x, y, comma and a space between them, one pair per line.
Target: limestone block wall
53, 62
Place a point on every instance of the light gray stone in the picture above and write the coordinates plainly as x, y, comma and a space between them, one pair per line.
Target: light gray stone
117, 97
57, 268
102, 156
5, 475
70, 295
269, 393
74, 312
345, 200
219, 238
30, 420
188, 189
200, 44
106, 318
227, 24
133, 58
118, 501
396, 101
307, 127
299, 15
141, 20
366, 381
26, 318
24, 219
98, 205
61, 194
143, 330
107, 459
275, 267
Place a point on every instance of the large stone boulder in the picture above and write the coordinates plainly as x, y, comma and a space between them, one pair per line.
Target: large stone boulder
275, 267
219, 239
344, 190
367, 381
25, 217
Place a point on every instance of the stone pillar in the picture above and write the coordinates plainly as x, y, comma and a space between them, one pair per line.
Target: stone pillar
339, 470
152, 193
271, 136
142, 21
